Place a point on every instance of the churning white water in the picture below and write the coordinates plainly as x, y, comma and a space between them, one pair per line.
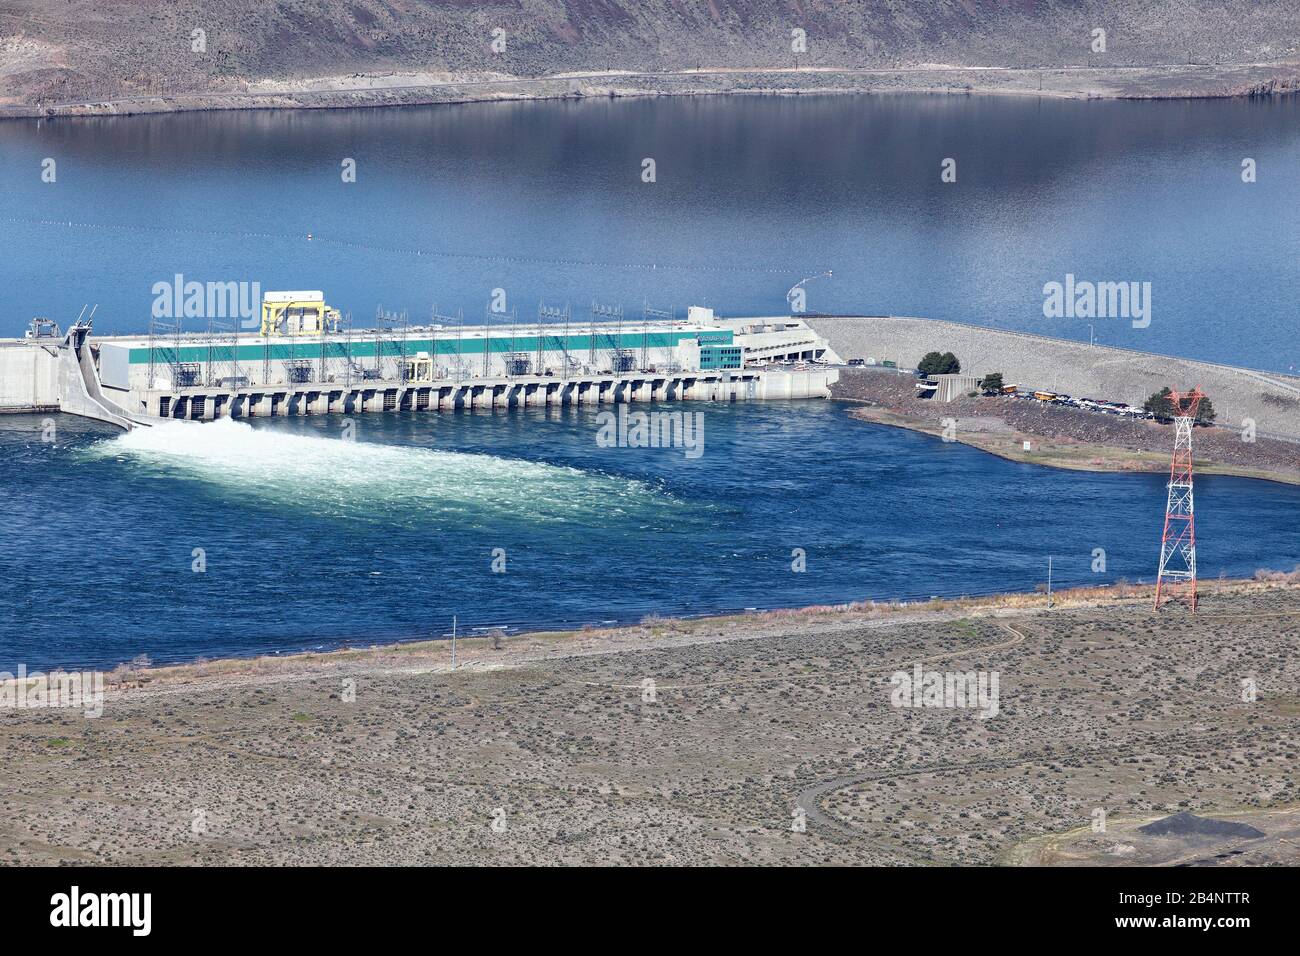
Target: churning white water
342, 477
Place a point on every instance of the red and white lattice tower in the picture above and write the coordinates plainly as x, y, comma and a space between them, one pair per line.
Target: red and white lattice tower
1178, 545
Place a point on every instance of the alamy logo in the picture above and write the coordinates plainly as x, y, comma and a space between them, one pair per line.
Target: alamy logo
1098, 300
976, 690
58, 689
652, 430
178, 299
74, 909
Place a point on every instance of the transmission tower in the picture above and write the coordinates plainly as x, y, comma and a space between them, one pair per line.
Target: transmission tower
447, 321
322, 368
348, 366
222, 354
266, 357
487, 339
378, 372
564, 348
159, 332
402, 368
516, 362
390, 337
552, 315
1178, 544
210, 349
609, 313
460, 344
434, 321
539, 363
649, 315
620, 361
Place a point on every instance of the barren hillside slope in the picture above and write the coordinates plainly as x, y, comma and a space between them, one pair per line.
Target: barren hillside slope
86, 51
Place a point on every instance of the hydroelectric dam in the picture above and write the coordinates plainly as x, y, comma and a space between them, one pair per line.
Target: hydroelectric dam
303, 360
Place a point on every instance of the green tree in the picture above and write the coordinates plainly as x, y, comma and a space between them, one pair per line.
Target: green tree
992, 382
1161, 405
935, 363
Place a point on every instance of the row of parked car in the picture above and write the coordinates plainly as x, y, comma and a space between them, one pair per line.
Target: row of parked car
1091, 404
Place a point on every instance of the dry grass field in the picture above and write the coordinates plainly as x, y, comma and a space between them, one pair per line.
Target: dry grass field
770, 739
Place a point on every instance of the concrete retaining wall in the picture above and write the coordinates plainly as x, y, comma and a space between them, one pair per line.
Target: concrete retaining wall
1078, 369
28, 378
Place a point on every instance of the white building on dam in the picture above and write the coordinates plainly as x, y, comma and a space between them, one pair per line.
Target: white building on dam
302, 361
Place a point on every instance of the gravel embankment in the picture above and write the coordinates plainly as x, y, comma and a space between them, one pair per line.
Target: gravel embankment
988, 414
1075, 368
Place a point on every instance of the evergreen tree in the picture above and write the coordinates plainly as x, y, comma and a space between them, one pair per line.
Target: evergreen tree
1161, 405
935, 363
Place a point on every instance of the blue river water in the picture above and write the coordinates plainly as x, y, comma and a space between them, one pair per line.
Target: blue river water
751, 194
306, 540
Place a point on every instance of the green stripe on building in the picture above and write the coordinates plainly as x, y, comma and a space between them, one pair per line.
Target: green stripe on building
577, 345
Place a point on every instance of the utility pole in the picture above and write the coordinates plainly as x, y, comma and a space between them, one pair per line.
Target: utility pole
1049, 580
453, 642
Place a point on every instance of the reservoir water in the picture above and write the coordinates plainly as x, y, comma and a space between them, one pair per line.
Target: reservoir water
751, 194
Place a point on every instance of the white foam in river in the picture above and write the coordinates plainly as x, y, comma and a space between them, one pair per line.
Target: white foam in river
334, 476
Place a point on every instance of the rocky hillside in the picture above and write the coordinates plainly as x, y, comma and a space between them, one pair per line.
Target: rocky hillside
64, 51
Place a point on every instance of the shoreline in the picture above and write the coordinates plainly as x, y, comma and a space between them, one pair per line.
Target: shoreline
1051, 451
1256, 432
524, 648
415, 88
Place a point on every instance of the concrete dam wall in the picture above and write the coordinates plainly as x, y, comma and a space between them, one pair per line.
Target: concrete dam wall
301, 362
29, 377
50, 375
